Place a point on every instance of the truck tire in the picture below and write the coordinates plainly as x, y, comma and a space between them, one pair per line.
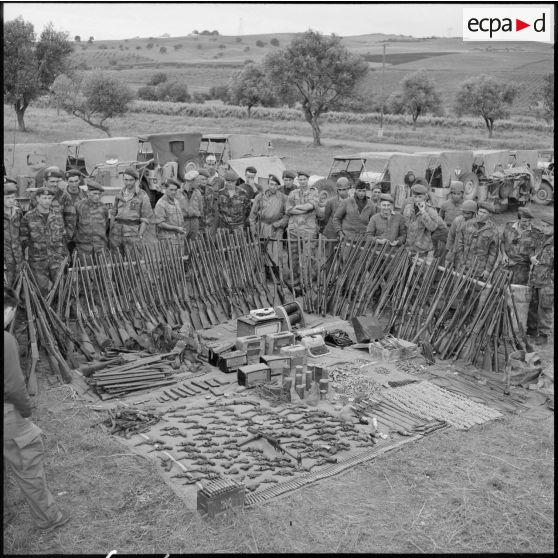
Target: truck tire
544, 195
470, 186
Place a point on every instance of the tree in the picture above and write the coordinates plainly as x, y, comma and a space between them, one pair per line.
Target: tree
546, 98
77, 39
157, 78
220, 92
260, 43
91, 39
174, 91
320, 69
250, 87
52, 51
274, 42
486, 97
94, 98
419, 95
163, 50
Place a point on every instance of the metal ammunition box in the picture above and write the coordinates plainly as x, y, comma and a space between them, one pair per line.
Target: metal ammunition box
216, 351
247, 326
275, 341
297, 353
251, 343
276, 363
231, 361
253, 374
220, 504
387, 354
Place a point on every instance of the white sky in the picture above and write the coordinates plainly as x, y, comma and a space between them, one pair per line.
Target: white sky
120, 21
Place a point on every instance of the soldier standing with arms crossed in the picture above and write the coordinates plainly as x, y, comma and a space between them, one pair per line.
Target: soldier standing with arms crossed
13, 255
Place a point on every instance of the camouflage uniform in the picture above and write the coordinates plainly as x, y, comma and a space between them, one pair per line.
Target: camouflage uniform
210, 217
169, 212
458, 222
476, 239
233, 210
129, 213
45, 237
56, 204
420, 228
541, 307
519, 242
91, 222
449, 211
68, 204
13, 254
191, 204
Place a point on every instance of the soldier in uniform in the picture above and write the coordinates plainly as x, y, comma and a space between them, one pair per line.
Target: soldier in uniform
43, 234
52, 179
92, 221
518, 243
478, 238
214, 179
13, 255
468, 211
421, 220
190, 200
351, 217
268, 219
331, 207
169, 218
451, 209
233, 205
249, 185
387, 226
288, 181
68, 202
375, 199
209, 218
130, 213
541, 308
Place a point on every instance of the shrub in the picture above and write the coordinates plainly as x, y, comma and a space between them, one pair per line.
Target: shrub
103, 47
149, 45
246, 48
175, 91
163, 50
220, 92
222, 46
178, 46
274, 42
260, 43
238, 39
157, 78
199, 97
138, 47
113, 62
147, 93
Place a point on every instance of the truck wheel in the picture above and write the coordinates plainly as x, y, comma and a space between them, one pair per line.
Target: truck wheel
470, 185
544, 194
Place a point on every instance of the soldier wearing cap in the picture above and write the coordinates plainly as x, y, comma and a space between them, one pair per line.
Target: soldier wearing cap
478, 238
249, 185
468, 211
421, 220
214, 179
518, 242
190, 200
43, 234
288, 181
451, 208
169, 218
92, 221
540, 319
375, 199
52, 179
13, 255
233, 205
387, 226
68, 202
351, 217
342, 186
130, 213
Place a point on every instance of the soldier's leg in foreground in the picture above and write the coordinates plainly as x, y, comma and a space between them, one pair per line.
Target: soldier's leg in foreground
41, 272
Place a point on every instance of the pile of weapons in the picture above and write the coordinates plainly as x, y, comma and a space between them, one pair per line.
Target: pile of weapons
128, 421
133, 377
461, 317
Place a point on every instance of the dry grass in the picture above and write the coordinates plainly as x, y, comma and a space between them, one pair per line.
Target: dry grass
487, 490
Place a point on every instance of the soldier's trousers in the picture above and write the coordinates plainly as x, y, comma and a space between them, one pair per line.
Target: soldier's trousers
520, 273
192, 228
24, 453
541, 310
45, 274
12, 267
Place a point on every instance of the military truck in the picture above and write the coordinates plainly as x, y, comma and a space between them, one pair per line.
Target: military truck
543, 189
234, 146
263, 165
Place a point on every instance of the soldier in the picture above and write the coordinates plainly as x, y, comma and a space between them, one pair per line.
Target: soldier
478, 238
91, 223
249, 185
331, 207
352, 215
541, 308
451, 209
468, 211
288, 181
52, 179
375, 199
13, 255
267, 218
190, 200
233, 205
421, 220
209, 218
518, 243
130, 213
387, 226
214, 179
169, 217
68, 202
42, 233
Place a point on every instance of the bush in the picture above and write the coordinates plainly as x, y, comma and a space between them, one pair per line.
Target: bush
238, 39
178, 46
157, 78
175, 91
149, 45
220, 92
222, 46
246, 48
147, 93
163, 50
260, 43
199, 97
138, 47
103, 47
274, 42
113, 62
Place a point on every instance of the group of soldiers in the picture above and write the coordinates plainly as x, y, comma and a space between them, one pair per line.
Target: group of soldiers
63, 218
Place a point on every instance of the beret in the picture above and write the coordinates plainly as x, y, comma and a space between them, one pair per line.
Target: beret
53, 173
94, 186
251, 169
8, 180
131, 171
230, 176
289, 174
524, 212
303, 173
469, 205
419, 189
44, 191
343, 181
361, 185
548, 219
273, 178
173, 181
203, 172
9, 188
487, 206
456, 186
386, 197
211, 157
191, 175
73, 172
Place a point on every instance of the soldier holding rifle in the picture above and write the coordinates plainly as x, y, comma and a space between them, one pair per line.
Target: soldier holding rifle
169, 219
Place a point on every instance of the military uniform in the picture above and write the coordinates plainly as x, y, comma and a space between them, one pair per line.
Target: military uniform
541, 307
352, 217
92, 219
477, 239
210, 216
191, 204
45, 237
519, 243
13, 254
458, 222
392, 228
129, 211
233, 208
450, 210
68, 203
169, 211
420, 227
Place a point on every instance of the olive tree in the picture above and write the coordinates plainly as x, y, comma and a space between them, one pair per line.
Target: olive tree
319, 69
250, 87
487, 97
419, 95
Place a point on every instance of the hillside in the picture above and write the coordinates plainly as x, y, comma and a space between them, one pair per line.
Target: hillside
204, 61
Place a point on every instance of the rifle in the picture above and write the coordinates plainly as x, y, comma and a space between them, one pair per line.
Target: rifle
157, 287
57, 280
258, 260
197, 296
194, 312
203, 293
403, 298
236, 309
253, 258
86, 341
32, 385
169, 264
245, 288
271, 440
290, 259
167, 279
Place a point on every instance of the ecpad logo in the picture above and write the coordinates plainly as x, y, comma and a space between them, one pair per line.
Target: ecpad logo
508, 24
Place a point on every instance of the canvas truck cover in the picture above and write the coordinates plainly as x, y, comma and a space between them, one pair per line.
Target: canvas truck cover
492, 159
264, 165
449, 161
239, 145
529, 156
27, 159
95, 151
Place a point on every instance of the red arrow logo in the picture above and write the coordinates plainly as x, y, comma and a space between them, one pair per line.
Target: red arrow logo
519, 25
